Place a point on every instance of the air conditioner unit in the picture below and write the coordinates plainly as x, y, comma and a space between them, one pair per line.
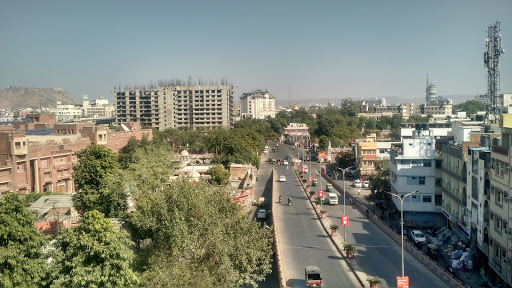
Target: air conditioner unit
508, 199
508, 169
506, 260
508, 231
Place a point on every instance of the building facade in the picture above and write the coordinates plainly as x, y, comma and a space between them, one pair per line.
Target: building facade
297, 134
500, 200
412, 165
257, 104
163, 107
44, 163
98, 109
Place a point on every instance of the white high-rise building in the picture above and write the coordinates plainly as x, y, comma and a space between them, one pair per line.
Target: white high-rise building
412, 169
257, 104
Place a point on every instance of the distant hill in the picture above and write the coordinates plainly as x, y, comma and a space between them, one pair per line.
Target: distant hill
21, 98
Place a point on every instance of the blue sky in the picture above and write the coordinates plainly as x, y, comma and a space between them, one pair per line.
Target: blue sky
321, 49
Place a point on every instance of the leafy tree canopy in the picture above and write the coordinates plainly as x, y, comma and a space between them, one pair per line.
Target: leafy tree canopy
219, 175
21, 246
92, 254
470, 107
95, 169
197, 232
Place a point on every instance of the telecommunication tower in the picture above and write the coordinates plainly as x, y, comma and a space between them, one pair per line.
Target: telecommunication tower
492, 62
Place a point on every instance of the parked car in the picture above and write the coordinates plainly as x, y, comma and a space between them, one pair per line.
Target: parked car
366, 184
357, 183
262, 213
282, 178
417, 237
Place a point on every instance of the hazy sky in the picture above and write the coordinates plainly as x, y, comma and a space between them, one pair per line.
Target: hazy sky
322, 49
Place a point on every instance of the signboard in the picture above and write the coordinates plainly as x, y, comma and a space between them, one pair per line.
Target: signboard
298, 163
344, 220
303, 169
310, 179
402, 282
320, 193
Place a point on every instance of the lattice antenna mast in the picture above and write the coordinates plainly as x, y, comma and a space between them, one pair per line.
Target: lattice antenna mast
492, 62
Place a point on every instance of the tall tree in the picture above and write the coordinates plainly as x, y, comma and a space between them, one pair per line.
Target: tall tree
92, 254
219, 175
201, 234
95, 169
470, 107
21, 246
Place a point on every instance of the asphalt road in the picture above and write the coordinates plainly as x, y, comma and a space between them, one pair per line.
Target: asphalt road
302, 239
377, 254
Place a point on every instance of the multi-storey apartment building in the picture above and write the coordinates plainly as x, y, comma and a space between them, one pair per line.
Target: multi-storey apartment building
478, 192
257, 104
412, 165
454, 179
193, 106
500, 204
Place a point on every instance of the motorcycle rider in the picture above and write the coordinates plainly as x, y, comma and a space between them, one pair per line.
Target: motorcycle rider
289, 200
280, 198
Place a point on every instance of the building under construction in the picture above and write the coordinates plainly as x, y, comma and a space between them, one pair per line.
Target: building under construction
174, 105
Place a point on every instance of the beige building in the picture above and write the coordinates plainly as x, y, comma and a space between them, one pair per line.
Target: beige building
500, 204
366, 155
195, 107
98, 109
257, 104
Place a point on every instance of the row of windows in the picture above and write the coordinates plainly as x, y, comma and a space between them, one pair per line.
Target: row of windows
415, 180
417, 163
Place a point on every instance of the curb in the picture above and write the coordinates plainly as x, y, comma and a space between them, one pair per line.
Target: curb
280, 270
338, 243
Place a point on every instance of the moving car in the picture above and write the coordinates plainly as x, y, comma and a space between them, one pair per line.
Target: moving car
313, 276
333, 198
282, 178
357, 183
261, 201
262, 213
285, 162
417, 237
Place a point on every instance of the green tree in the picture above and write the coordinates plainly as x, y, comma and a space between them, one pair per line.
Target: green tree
347, 159
220, 176
380, 180
323, 143
21, 246
92, 254
96, 167
197, 232
470, 107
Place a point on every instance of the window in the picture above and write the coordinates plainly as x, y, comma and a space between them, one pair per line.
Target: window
438, 199
421, 180
427, 163
427, 199
415, 198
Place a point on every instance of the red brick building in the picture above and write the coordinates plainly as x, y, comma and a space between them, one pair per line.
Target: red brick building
44, 163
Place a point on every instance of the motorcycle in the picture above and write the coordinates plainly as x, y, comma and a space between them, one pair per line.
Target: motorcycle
280, 199
289, 201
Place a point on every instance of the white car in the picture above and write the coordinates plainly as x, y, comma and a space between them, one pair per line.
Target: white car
357, 183
262, 214
418, 237
282, 178
306, 170
366, 184
285, 162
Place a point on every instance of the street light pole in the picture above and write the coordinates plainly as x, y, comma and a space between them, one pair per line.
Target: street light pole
344, 214
402, 221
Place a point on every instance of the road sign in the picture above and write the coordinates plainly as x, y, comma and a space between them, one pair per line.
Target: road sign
303, 169
344, 220
298, 163
310, 179
320, 193
402, 282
